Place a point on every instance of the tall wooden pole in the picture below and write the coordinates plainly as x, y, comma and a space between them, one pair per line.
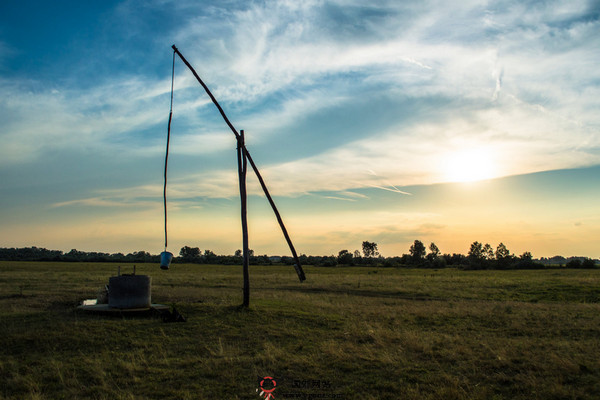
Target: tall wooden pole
242, 168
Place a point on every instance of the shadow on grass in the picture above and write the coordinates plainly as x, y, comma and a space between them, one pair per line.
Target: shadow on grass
365, 293
16, 296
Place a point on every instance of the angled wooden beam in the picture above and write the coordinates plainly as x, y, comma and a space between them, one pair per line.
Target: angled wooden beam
297, 265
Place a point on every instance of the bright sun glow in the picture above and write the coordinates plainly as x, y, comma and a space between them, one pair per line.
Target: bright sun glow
469, 165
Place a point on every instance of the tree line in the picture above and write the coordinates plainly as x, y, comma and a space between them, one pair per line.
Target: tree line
479, 256
42, 254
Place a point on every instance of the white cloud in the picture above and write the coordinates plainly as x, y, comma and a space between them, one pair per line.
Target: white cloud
520, 78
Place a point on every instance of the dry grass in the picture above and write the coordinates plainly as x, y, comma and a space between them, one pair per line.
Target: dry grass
363, 333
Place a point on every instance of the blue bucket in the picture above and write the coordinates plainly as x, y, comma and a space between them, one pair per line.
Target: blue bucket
165, 259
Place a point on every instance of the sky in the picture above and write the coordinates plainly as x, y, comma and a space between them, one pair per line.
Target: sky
384, 121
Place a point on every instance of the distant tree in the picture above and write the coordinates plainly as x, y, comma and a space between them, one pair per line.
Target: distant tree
455, 259
138, 256
475, 251
262, 260
434, 258
357, 257
526, 256
286, 260
117, 256
328, 261
558, 260
189, 253
476, 255
434, 253
344, 257
433, 249
303, 258
209, 257
238, 253
588, 263
417, 252
573, 263
525, 260
502, 252
503, 256
488, 252
370, 249
406, 259
75, 255
209, 253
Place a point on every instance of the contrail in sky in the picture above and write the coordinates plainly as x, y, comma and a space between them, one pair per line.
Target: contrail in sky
395, 189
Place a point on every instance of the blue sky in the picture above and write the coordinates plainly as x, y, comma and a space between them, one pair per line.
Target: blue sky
359, 114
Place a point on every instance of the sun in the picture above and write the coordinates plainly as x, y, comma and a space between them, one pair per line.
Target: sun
469, 165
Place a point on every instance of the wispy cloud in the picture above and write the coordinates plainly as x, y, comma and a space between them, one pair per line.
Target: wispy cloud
96, 202
339, 198
391, 189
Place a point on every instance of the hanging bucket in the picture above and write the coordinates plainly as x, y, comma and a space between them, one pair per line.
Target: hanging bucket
165, 259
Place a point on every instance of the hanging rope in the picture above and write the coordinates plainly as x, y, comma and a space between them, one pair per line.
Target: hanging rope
167, 152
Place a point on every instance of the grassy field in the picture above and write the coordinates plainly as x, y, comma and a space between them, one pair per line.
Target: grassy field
346, 333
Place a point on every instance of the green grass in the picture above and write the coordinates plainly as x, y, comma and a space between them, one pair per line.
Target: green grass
365, 333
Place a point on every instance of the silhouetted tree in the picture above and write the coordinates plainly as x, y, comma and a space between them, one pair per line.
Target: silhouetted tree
526, 261
417, 252
434, 253
406, 259
344, 257
370, 249
455, 259
488, 252
286, 260
117, 257
502, 252
139, 256
357, 257
526, 256
189, 254
588, 263
261, 260
559, 260
209, 257
476, 255
328, 261
503, 256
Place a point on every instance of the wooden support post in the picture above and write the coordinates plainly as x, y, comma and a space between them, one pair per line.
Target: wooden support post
242, 168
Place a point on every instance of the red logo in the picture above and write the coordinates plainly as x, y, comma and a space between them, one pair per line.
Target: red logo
267, 387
